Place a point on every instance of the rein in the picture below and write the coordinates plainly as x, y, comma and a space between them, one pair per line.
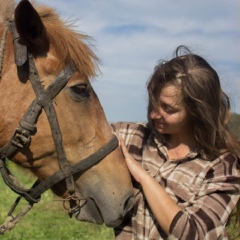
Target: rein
27, 127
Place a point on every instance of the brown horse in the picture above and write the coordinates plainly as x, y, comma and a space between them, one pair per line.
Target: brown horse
51, 45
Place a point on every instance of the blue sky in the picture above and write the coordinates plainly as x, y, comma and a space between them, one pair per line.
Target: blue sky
130, 36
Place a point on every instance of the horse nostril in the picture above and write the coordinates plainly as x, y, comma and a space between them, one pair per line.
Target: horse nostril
128, 204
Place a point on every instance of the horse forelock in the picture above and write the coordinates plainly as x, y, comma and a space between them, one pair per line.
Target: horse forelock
6, 10
69, 43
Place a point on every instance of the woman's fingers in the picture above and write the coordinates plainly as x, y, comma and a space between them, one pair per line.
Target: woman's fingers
134, 168
124, 149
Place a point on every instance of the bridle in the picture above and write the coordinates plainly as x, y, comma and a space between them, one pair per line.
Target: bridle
27, 127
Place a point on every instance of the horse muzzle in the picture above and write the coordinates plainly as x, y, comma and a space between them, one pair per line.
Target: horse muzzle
94, 213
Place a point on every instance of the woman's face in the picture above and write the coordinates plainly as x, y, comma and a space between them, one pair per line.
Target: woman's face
170, 115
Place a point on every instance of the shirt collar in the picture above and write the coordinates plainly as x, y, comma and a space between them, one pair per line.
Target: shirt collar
160, 142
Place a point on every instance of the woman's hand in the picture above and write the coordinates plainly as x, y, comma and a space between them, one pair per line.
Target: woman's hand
137, 171
163, 207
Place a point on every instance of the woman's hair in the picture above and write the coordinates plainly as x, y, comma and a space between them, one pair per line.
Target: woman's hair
207, 105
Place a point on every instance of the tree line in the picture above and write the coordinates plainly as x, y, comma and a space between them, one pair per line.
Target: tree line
234, 125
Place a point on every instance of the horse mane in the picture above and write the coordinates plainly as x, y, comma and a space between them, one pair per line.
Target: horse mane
6, 10
69, 44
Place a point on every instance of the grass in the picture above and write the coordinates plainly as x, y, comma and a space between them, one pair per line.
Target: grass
47, 219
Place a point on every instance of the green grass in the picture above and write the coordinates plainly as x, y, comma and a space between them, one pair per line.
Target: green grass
47, 219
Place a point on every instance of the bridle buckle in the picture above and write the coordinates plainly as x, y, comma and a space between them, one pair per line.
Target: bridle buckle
20, 138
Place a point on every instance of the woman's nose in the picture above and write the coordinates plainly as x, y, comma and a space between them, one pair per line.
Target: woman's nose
155, 114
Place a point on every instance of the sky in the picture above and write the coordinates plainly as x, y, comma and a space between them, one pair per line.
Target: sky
131, 36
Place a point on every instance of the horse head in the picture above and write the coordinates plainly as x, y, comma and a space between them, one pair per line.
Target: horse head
48, 45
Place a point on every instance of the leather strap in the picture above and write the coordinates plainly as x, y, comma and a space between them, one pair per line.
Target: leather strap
20, 50
33, 195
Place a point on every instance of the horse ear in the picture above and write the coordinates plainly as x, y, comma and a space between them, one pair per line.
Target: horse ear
30, 27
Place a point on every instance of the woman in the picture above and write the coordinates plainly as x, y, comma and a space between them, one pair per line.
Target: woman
184, 162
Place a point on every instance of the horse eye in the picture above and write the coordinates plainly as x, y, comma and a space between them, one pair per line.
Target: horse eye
79, 89
80, 92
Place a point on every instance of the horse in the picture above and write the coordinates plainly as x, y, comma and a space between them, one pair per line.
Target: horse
52, 122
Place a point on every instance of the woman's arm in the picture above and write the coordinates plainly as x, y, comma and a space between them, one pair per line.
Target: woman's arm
163, 207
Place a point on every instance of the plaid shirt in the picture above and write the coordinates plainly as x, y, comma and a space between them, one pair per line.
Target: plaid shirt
207, 191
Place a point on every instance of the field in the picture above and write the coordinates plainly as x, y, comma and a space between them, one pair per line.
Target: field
47, 219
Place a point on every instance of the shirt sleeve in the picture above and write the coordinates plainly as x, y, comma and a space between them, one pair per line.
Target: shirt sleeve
214, 201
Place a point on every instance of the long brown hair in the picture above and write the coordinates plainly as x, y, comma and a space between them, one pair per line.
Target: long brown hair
205, 101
